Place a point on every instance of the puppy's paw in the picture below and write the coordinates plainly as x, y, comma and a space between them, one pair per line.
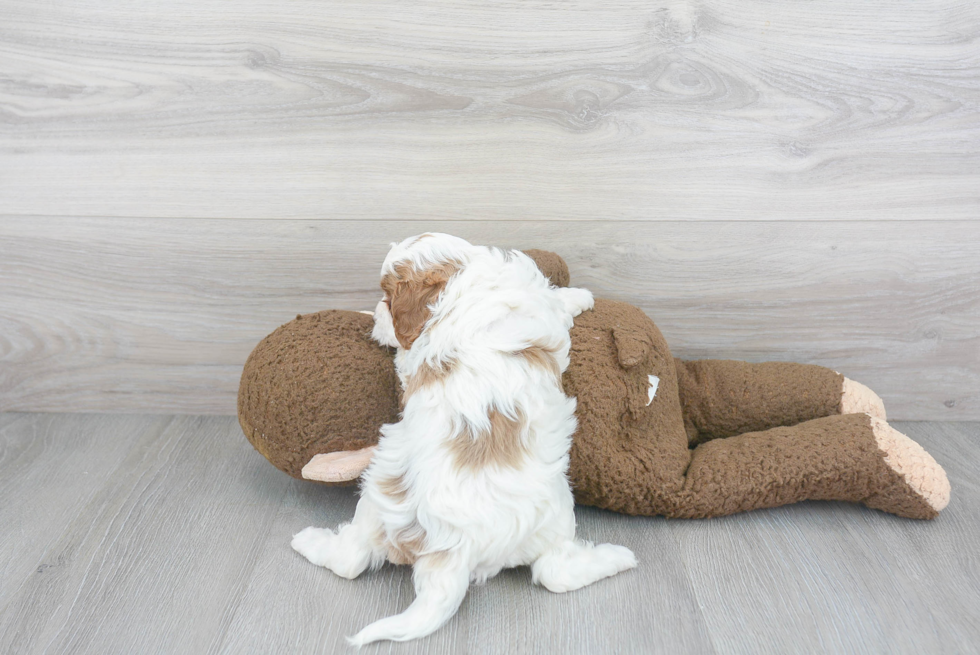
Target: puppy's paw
616, 558
574, 565
315, 544
576, 300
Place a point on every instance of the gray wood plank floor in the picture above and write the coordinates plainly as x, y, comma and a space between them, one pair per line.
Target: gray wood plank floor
159, 534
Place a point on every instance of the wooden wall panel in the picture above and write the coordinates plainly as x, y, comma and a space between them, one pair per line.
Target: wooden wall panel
770, 180
587, 109
110, 314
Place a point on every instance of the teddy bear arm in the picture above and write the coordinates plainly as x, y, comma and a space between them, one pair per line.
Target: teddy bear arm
723, 398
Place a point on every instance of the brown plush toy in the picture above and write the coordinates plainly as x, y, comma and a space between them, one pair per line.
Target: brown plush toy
656, 435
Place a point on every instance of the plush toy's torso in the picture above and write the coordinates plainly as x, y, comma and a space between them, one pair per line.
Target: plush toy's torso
618, 355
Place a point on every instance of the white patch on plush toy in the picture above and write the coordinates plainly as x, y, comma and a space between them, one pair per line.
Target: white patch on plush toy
652, 391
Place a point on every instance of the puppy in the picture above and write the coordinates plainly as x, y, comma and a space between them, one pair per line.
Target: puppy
472, 479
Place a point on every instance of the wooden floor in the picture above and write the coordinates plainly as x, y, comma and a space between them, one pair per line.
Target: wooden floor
169, 534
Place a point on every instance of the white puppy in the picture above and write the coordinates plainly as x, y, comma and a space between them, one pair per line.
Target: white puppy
473, 477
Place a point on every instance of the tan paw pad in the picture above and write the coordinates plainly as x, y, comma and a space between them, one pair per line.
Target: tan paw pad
342, 466
910, 460
859, 399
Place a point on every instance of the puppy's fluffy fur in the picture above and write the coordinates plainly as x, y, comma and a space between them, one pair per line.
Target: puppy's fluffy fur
472, 479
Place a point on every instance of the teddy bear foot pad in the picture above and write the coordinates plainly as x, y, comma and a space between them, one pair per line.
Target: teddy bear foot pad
922, 488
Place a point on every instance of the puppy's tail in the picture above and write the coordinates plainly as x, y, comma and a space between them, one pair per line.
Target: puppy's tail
441, 580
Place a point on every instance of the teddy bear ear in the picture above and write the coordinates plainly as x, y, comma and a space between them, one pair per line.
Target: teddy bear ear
631, 349
551, 264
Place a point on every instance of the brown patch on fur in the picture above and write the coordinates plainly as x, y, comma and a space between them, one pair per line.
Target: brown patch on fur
543, 358
394, 488
501, 446
405, 545
410, 292
437, 559
425, 376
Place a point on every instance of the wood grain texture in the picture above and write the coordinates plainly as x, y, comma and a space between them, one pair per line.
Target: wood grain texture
50, 467
765, 562
155, 561
159, 315
183, 547
663, 110
507, 615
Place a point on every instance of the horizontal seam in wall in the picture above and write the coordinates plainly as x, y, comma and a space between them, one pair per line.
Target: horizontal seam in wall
499, 220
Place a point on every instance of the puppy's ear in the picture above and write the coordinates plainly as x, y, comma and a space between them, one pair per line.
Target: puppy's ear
410, 293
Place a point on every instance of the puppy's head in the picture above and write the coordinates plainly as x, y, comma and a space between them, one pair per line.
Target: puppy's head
413, 277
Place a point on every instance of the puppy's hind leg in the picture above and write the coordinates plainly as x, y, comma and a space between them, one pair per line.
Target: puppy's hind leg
441, 580
573, 564
349, 551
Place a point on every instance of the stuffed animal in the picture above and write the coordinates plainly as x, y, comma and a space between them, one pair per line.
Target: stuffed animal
656, 435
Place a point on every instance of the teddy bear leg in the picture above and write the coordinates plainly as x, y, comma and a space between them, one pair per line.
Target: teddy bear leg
724, 398
850, 457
